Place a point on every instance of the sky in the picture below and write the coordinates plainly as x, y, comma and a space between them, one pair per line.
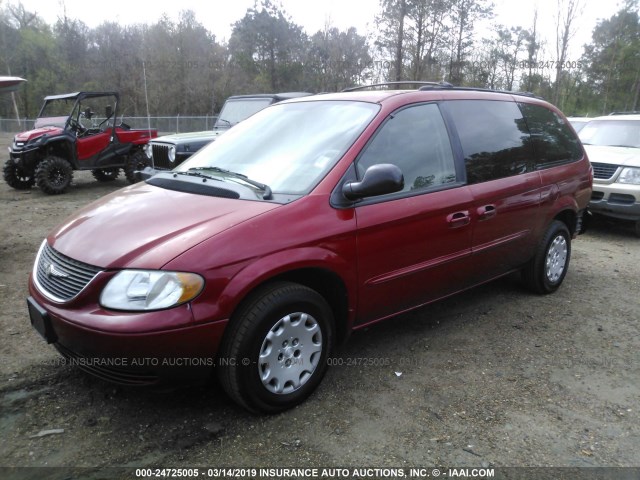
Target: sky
219, 15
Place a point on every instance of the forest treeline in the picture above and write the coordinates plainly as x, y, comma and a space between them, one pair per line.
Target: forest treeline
189, 71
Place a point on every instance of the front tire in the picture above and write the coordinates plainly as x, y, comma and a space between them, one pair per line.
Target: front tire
546, 271
16, 177
274, 352
137, 161
105, 174
54, 175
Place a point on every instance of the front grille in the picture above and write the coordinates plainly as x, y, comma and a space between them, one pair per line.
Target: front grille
622, 198
603, 171
161, 156
100, 368
59, 277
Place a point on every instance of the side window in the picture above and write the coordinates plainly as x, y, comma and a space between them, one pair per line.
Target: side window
553, 141
416, 140
494, 137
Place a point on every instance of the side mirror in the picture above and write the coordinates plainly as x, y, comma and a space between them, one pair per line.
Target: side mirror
108, 111
378, 180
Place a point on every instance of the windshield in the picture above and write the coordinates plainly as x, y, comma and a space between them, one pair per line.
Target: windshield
55, 113
577, 124
234, 111
289, 147
618, 133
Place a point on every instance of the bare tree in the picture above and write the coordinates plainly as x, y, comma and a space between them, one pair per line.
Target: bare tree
462, 18
402, 13
22, 17
533, 46
567, 15
425, 35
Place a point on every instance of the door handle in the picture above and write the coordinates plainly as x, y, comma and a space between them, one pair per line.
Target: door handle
458, 219
486, 212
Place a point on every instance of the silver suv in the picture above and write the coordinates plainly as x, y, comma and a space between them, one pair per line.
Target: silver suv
613, 146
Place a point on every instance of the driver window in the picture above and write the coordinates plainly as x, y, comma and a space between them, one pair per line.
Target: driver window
416, 140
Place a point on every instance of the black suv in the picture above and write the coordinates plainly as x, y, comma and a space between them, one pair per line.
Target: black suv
171, 150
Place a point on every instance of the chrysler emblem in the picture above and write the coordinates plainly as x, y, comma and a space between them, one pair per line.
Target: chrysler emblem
52, 271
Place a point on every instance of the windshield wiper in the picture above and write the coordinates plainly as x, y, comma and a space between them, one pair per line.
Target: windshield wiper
267, 195
192, 173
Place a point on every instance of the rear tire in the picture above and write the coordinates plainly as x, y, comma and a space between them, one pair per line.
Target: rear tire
16, 177
105, 174
54, 175
136, 161
547, 269
638, 228
274, 352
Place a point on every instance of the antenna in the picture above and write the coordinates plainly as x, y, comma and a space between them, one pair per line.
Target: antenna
146, 101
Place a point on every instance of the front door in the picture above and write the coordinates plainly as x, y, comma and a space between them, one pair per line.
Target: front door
412, 245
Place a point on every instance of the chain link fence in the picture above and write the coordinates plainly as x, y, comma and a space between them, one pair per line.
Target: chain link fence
164, 125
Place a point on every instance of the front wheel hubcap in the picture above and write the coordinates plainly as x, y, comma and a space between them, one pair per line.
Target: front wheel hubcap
290, 353
556, 258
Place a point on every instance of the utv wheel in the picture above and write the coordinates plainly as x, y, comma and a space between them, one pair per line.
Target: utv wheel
138, 160
54, 175
274, 352
105, 174
16, 177
637, 228
546, 271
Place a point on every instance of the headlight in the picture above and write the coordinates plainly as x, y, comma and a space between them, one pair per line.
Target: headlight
172, 153
141, 290
630, 175
148, 150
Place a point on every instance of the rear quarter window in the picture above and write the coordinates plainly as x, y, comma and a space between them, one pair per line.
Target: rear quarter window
494, 138
553, 141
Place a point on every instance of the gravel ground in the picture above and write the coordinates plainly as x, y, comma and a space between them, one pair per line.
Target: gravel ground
492, 377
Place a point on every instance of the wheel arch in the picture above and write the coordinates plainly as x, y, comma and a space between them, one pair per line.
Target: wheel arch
63, 148
326, 274
569, 217
329, 285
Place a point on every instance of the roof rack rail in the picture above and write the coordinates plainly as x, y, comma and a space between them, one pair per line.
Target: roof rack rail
407, 82
491, 90
443, 86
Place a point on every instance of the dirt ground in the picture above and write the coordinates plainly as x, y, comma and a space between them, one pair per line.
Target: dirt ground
492, 377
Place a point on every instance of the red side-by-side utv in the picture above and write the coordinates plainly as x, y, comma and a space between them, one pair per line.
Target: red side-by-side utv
76, 131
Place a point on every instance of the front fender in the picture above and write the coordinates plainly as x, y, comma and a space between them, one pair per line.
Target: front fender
220, 301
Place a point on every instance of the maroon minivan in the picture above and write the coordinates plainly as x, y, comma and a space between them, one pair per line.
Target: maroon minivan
313, 218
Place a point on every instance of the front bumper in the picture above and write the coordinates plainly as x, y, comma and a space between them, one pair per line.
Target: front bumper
185, 354
24, 157
617, 200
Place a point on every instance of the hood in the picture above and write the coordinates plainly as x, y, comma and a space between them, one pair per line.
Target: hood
182, 138
143, 226
625, 156
37, 132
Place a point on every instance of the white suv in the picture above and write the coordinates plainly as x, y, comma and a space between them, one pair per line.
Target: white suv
613, 146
